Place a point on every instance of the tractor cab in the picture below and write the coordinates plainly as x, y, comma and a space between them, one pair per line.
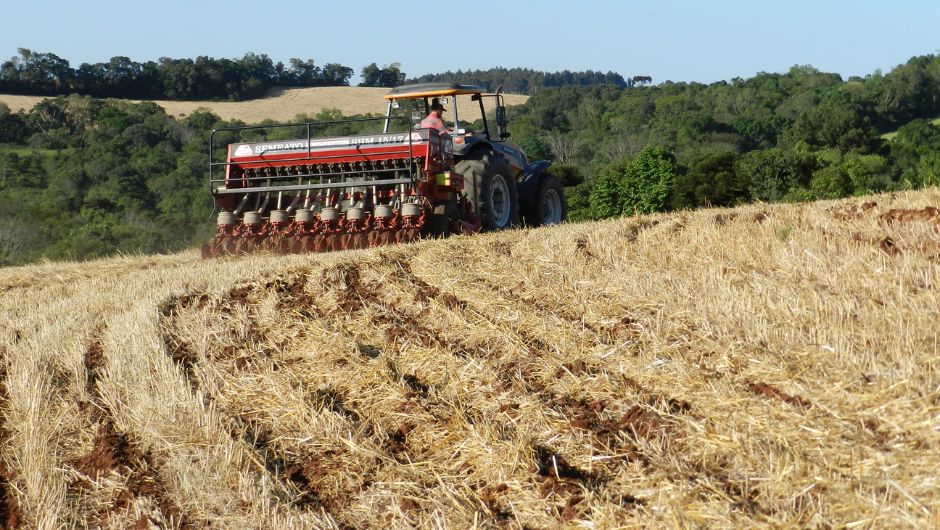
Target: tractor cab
464, 105
503, 186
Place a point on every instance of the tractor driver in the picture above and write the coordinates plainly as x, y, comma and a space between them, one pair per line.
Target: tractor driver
434, 121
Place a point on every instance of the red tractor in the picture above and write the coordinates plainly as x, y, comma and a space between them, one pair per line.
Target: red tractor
321, 192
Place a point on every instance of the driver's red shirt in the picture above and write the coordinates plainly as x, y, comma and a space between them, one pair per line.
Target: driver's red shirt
433, 122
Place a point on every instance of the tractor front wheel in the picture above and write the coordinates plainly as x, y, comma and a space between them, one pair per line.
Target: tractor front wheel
550, 205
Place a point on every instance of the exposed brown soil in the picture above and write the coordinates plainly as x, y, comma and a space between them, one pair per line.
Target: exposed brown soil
559, 479
760, 217
893, 246
613, 432
581, 247
302, 473
11, 516
114, 452
889, 247
310, 475
426, 291
93, 357
763, 389
493, 497
906, 215
109, 450
552, 465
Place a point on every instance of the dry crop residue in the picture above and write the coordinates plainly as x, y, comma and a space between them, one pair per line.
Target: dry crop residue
757, 366
889, 235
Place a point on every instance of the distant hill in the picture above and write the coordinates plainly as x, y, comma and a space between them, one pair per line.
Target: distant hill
281, 104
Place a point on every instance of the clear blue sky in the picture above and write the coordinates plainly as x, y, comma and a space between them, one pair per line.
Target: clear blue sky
678, 40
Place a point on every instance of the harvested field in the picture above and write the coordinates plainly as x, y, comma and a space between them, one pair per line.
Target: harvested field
770, 365
284, 104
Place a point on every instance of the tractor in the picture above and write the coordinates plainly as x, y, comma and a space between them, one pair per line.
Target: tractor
295, 188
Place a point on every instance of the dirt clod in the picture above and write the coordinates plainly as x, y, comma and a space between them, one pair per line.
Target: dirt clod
553, 465
368, 350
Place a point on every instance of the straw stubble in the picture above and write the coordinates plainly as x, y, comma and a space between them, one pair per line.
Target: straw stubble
765, 365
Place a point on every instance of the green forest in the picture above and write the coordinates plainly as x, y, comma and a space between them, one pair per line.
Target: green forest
251, 76
795, 136
82, 177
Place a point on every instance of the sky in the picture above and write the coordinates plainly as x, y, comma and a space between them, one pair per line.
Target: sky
675, 40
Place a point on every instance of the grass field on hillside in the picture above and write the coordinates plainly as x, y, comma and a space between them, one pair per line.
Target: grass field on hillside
892, 135
284, 104
770, 365
21, 150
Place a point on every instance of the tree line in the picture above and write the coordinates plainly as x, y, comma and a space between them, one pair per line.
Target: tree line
202, 78
524, 80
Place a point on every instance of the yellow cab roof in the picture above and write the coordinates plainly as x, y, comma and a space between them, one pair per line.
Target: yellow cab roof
422, 90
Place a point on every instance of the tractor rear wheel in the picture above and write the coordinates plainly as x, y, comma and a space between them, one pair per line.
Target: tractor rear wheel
489, 184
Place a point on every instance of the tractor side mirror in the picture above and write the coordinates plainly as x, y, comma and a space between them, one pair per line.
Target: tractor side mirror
501, 122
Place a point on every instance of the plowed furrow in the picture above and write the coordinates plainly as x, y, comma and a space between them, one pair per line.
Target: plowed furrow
408, 316
436, 309
115, 478
317, 466
397, 337
406, 427
647, 429
203, 380
560, 347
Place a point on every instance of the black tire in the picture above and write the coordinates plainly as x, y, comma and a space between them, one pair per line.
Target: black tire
549, 206
489, 184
